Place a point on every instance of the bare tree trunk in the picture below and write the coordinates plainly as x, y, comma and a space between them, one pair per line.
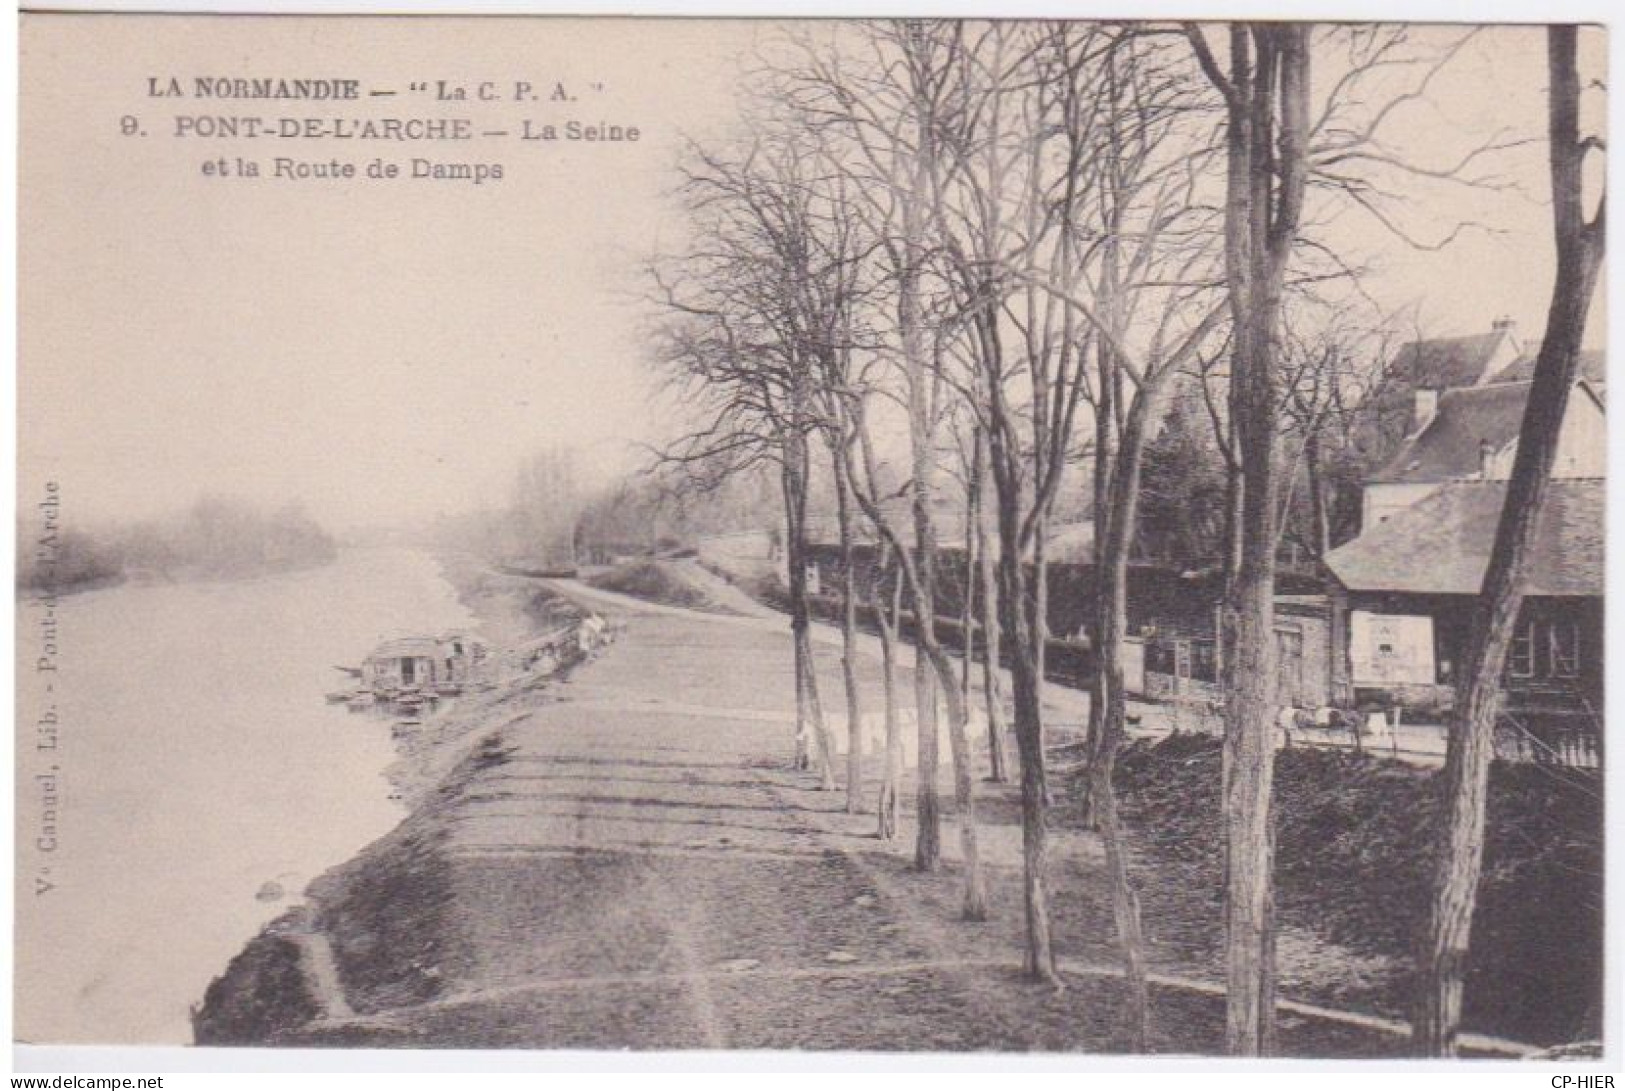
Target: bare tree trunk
1105, 467
1580, 246
849, 640
809, 709
975, 905
795, 578
1040, 954
1105, 461
929, 654
992, 680
1025, 665
1267, 99
928, 833
1113, 537
967, 607
815, 712
1125, 900
932, 673
1321, 530
1249, 763
1234, 520
927, 805
1039, 626
888, 618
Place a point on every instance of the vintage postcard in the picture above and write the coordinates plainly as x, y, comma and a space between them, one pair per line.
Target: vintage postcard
1003, 536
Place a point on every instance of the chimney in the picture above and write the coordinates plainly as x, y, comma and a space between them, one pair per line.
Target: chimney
1427, 403
1504, 324
1486, 454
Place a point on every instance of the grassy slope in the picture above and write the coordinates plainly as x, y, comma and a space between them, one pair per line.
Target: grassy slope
653, 582
1353, 868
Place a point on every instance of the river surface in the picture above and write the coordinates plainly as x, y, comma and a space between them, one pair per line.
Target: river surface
198, 762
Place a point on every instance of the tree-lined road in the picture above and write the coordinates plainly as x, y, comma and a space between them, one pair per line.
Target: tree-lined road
630, 864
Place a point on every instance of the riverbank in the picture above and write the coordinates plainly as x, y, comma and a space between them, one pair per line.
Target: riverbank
620, 859
200, 779
389, 897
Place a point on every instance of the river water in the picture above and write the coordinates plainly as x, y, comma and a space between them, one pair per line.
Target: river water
198, 762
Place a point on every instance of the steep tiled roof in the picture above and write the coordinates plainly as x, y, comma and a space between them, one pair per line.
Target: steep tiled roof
1441, 544
1593, 366
1445, 361
1447, 448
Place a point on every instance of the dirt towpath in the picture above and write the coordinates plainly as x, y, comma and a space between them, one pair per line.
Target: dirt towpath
630, 865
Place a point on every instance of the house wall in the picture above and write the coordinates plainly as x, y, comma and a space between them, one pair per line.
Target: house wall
1506, 352
390, 672
1451, 616
1582, 445
1309, 684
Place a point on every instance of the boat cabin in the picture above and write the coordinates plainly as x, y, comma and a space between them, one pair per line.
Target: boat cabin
417, 661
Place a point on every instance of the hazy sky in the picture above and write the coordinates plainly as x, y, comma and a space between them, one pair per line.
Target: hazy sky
385, 351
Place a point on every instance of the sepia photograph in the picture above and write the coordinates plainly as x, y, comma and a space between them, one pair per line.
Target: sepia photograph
931, 535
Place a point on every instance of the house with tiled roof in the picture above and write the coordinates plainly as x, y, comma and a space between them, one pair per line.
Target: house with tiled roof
1437, 363
1471, 434
1410, 584
1414, 376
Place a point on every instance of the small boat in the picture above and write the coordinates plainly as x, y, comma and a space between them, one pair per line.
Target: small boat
339, 697
353, 672
359, 702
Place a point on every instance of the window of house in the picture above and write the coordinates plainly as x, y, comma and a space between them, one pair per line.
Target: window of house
1521, 657
1204, 661
1563, 643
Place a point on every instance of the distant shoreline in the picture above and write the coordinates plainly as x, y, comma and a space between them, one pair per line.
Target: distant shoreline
33, 592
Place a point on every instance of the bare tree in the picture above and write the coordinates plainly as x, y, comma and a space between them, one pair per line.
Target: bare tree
547, 501
886, 599
889, 117
1117, 254
1580, 245
1266, 97
748, 328
1152, 283
1007, 254
1335, 378
933, 674
992, 626
832, 298
1281, 143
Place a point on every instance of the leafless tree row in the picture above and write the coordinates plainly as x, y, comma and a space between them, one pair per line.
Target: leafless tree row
988, 254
